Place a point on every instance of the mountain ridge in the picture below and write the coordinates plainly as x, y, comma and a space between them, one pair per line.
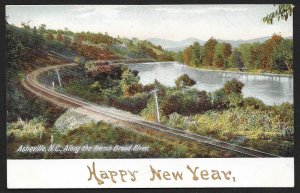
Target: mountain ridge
180, 45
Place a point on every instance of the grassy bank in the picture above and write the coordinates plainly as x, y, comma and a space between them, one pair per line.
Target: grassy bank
34, 132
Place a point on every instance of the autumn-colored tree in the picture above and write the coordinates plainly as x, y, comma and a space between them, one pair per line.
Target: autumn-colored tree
133, 89
204, 102
59, 37
233, 86
187, 55
184, 81
50, 36
209, 52
267, 50
226, 48
170, 104
218, 61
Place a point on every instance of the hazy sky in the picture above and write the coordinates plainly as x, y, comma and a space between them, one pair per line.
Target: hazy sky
174, 22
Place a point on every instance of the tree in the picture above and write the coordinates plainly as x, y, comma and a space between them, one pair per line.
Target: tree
133, 89
226, 51
204, 102
50, 36
26, 26
187, 55
218, 61
42, 29
283, 11
209, 52
254, 56
14, 52
282, 56
170, 104
245, 50
196, 54
184, 81
236, 59
266, 51
179, 57
59, 37
218, 57
67, 41
233, 86
128, 78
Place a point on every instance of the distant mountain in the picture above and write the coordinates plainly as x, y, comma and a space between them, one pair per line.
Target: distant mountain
180, 45
174, 45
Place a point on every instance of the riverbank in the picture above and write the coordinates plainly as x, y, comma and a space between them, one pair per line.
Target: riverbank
239, 72
223, 71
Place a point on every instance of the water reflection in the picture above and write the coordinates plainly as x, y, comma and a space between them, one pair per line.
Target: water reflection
270, 89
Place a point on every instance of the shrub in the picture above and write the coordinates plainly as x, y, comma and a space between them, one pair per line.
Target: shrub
219, 99
184, 81
133, 89
233, 86
253, 102
204, 101
26, 130
148, 87
235, 99
128, 78
170, 105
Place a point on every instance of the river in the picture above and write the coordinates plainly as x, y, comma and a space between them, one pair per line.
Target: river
271, 89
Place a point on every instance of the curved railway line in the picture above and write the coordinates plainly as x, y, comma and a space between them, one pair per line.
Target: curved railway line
65, 101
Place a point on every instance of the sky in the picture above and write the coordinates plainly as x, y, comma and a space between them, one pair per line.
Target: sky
172, 22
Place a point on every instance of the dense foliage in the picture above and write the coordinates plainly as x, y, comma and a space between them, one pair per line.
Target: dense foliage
273, 55
33, 133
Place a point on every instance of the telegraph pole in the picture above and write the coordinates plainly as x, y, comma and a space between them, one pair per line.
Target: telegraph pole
154, 92
59, 80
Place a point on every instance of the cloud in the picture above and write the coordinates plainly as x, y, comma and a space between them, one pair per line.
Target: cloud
227, 8
194, 9
184, 10
106, 11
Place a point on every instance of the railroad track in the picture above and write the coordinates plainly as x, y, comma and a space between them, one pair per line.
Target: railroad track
66, 101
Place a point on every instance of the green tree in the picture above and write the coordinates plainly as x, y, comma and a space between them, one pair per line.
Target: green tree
128, 78
283, 11
254, 56
282, 56
50, 36
14, 52
226, 53
245, 50
42, 29
236, 59
196, 54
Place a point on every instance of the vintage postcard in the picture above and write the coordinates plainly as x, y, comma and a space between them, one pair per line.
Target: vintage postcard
149, 96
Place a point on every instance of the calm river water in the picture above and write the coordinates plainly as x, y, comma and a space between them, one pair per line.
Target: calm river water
268, 88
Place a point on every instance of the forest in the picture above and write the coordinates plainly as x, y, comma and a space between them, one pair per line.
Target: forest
275, 55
